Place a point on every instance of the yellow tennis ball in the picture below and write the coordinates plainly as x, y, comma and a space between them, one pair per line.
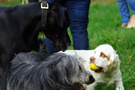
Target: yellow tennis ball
94, 67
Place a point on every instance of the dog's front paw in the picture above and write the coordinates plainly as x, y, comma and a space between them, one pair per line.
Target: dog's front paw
120, 88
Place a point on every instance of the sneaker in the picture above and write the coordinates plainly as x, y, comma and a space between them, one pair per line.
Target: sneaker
124, 26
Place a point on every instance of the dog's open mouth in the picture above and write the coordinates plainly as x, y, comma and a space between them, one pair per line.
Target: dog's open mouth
79, 87
59, 47
96, 68
100, 70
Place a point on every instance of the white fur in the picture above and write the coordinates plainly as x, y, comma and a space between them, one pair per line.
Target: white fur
111, 68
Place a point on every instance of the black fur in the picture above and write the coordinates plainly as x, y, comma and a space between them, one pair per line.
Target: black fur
19, 29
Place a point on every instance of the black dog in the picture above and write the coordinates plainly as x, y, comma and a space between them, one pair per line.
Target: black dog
33, 71
19, 29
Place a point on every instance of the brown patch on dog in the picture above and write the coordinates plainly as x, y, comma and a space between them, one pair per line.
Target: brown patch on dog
104, 56
113, 66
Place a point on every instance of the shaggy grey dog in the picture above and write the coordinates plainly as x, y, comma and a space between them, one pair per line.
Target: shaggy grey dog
31, 71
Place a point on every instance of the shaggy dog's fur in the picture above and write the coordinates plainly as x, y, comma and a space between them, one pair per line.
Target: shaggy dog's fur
19, 29
31, 71
105, 57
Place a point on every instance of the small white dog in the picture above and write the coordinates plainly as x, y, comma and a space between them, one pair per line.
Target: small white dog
105, 57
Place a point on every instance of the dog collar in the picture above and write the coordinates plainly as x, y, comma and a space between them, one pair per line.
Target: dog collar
44, 7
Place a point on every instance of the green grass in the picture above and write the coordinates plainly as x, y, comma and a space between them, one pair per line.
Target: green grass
104, 27
10, 3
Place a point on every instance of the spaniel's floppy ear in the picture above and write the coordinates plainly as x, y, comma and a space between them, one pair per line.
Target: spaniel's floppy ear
114, 62
113, 57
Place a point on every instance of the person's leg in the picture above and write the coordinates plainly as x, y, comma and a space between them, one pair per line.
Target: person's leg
49, 46
50, 1
53, 1
131, 4
78, 14
124, 11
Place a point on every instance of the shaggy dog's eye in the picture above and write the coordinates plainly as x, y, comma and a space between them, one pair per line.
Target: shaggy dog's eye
80, 68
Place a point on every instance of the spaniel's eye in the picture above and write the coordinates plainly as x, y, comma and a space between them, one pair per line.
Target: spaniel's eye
102, 55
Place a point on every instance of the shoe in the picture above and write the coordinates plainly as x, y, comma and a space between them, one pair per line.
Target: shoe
124, 26
131, 23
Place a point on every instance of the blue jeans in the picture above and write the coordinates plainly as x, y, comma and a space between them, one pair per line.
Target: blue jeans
78, 15
124, 9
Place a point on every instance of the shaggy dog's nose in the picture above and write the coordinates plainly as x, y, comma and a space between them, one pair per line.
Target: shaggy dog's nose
91, 80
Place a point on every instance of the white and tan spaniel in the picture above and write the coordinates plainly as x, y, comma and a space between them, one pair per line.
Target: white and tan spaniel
105, 57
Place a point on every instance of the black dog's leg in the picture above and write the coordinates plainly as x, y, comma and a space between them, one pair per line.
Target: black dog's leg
2, 79
4, 68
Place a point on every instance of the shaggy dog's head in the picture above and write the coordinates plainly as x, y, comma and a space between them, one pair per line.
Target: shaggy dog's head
106, 58
57, 72
71, 71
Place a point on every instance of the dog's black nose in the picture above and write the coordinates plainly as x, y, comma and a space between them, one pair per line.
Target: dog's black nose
91, 80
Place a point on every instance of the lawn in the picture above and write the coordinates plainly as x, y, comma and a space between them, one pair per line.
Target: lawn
104, 27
